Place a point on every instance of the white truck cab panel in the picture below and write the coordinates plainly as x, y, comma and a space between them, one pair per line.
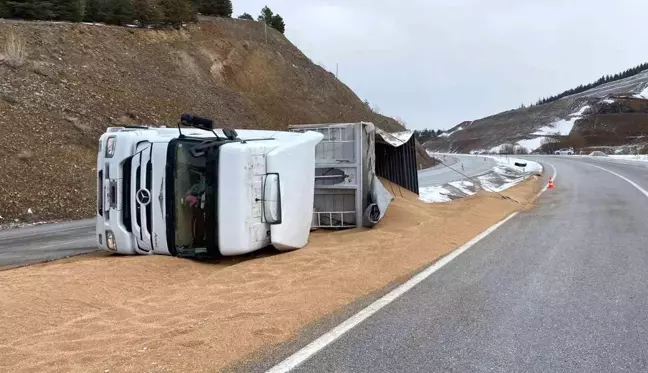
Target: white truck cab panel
145, 178
295, 190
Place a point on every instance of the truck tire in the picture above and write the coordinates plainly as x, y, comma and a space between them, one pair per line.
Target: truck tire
371, 216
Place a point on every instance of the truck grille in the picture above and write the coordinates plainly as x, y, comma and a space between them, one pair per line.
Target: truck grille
126, 195
143, 210
138, 185
149, 187
100, 192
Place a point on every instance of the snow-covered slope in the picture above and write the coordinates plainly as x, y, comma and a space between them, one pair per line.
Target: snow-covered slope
611, 114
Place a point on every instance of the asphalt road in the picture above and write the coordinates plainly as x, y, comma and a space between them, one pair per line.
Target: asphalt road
562, 287
46, 242
472, 166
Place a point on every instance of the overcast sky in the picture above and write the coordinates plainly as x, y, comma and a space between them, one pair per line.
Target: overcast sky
437, 63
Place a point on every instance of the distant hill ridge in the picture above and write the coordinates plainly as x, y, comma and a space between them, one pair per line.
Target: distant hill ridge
602, 80
611, 113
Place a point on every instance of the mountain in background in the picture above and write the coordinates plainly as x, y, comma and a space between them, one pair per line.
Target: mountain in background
63, 84
610, 116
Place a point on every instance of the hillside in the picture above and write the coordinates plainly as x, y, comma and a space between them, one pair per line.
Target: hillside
78, 79
611, 114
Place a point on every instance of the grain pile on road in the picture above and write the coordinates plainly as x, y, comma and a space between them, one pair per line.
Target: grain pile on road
156, 313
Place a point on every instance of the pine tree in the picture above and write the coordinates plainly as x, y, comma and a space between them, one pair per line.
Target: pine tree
69, 10
246, 17
278, 23
266, 16
219, 8
95, 11
119, 12
4, 10
28, 9
177, 12
147, 12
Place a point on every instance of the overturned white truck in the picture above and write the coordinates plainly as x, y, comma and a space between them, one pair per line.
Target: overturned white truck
184, 192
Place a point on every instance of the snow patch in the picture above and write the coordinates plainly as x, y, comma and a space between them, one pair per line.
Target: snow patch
436, 193
562, 126
531, 166
503, 176
495, 149
491, 186
643, 94
532, 144
608, 101
598, 154
627, 157
447, 134
580, 112
463, 186
506, 174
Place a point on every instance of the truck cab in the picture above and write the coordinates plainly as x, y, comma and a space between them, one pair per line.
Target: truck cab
220, 192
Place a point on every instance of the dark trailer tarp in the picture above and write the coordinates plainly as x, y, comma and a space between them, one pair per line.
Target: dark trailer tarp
396, 158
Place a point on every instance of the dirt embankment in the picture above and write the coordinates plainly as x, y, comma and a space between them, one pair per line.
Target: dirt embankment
137, 314
74, 80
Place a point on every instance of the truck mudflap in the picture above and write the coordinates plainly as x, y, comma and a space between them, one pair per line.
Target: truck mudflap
294, 165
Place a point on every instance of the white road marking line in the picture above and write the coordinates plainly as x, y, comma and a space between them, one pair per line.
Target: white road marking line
299, 357
642, 190
314, 347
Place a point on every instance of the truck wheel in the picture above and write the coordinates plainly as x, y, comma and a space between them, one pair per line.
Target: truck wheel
371, 216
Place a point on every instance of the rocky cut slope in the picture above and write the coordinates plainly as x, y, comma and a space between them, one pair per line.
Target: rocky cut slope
62, 84
612, 114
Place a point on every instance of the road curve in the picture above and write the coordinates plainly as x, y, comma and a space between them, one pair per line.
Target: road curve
468, 164
558, 288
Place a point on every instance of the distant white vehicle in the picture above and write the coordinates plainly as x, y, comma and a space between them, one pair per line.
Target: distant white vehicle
564, 152
221, 192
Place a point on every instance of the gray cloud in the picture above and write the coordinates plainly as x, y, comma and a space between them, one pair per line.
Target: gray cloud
437, 63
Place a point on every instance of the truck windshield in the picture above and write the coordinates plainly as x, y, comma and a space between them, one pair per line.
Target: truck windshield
189, 192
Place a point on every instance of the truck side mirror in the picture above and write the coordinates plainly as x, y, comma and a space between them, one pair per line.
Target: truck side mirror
272, 199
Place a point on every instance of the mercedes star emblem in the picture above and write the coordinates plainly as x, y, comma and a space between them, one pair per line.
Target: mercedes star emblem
144, 197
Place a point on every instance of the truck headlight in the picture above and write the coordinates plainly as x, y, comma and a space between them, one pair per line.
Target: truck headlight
110, 241
111, 145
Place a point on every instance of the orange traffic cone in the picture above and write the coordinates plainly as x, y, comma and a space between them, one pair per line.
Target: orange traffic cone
551, 183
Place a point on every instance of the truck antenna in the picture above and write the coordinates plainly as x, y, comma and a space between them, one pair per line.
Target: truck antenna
194, 121
179, 130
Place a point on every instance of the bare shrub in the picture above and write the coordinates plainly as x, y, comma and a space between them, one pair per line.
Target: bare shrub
507, 149
15, 51
521, 150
